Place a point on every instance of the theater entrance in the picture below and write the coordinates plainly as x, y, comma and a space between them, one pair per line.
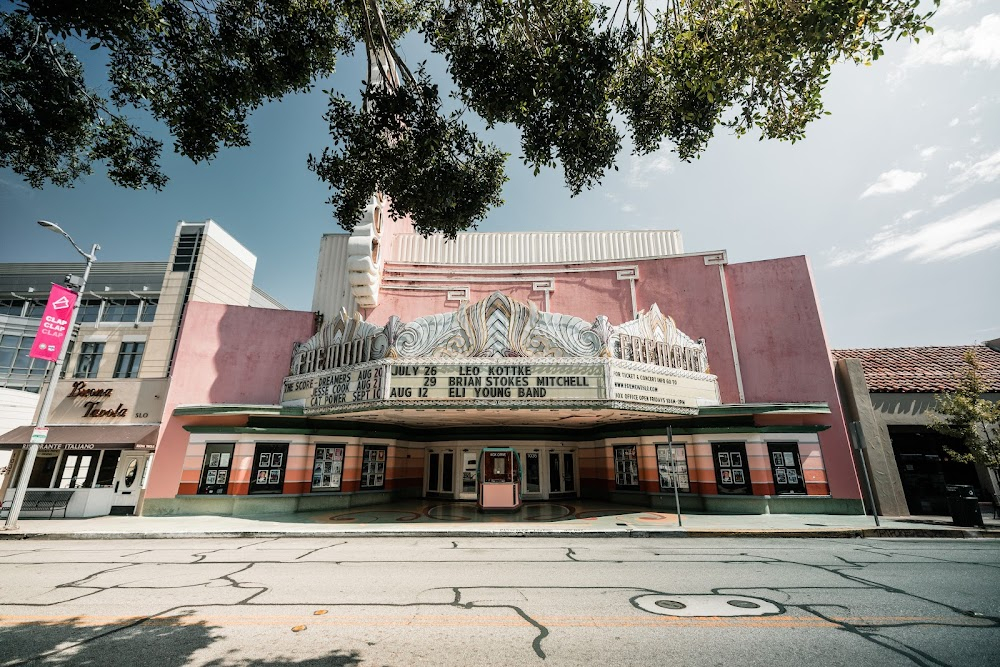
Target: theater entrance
549, 473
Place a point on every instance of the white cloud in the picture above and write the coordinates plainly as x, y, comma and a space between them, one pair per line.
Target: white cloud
911, 214
976, 45
928, 153
972, 230
628, 208
646, 169
894, 180
985, 170
956, 7
953, 123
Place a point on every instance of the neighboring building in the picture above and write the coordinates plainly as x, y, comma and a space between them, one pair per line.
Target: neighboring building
891, 393
577, 350
106, 416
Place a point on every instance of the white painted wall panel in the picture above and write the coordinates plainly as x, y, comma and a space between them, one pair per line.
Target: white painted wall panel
536, 247
333, 289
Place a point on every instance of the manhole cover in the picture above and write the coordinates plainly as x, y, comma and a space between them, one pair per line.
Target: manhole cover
706, 605
743, 604
670, 604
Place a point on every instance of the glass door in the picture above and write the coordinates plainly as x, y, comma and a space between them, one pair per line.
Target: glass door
562, 472
440, 472
469, 481
532, 474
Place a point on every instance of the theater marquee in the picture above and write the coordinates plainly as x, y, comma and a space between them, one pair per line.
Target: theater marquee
500, 353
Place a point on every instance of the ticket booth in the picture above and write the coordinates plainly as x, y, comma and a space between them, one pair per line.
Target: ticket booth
499, 479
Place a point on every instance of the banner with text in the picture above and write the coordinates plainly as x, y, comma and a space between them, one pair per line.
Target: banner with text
55, 324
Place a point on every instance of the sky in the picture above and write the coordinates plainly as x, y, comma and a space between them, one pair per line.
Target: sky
894, 197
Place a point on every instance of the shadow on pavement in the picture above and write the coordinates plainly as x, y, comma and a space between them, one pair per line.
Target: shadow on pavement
164, 641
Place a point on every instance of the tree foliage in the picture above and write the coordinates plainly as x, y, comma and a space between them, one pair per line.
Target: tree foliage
970, 418
574, 77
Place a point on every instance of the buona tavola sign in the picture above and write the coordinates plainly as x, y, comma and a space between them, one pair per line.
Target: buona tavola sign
500, 352
109, 402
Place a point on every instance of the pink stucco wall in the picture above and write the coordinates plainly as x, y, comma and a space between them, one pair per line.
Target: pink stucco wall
784, 354
226, 354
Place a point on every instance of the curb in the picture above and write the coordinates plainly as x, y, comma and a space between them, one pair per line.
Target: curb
642, 533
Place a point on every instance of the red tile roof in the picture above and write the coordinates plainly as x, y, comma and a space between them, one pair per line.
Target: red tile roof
922, 369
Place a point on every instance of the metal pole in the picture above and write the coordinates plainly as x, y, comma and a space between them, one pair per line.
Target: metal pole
50, 392
859, 444
673, 473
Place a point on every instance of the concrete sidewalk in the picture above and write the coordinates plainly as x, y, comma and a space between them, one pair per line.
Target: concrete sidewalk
576, 518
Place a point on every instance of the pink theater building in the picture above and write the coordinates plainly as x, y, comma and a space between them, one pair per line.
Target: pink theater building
575, 350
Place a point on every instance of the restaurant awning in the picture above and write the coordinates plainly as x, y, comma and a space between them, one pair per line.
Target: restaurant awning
85, 437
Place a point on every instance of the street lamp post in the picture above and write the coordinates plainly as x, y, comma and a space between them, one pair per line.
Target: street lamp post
50, 391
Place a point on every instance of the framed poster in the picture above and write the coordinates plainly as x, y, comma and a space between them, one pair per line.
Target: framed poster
269, 468
373, 472
732, 476
786, 469
215, 468
668, 475
626, 467
327, 464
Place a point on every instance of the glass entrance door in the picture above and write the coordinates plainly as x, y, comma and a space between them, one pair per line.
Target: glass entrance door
440, 472
469, 480
562, 472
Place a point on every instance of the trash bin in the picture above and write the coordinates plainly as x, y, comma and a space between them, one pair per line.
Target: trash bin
963, 503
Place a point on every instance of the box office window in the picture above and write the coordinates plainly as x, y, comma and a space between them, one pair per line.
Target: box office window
373, 460
671, 468
268, 474
328, 467
732, 469
626, 467
786, 467
216, 468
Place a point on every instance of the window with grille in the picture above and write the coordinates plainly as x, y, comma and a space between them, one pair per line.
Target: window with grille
89, 360
129, 359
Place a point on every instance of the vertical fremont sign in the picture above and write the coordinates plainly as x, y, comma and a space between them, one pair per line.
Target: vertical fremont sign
55, 324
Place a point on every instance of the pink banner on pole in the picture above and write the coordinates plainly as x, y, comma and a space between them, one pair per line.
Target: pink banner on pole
55, 324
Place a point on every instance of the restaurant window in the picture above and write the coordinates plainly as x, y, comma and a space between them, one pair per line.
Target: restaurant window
667, 467
129, 359
107, 467
373, 467
626, 467
216, 467
786, 467
89, 360
732, 469
268, 474
328, 467
43, 469
77, 471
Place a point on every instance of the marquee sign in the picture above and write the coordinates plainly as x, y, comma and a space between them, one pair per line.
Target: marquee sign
500, 353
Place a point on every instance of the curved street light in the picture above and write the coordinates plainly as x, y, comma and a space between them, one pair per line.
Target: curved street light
50, 390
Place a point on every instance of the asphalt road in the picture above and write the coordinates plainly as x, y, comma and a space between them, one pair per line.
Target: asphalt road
488, 601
